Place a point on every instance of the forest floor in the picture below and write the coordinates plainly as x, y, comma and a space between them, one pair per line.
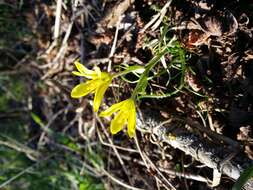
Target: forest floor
49, 140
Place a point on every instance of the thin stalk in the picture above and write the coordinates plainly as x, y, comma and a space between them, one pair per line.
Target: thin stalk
148, 67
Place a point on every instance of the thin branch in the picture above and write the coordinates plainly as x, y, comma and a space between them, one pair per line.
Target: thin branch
23, 172
114, 148
118, 181
57, 19
149, 164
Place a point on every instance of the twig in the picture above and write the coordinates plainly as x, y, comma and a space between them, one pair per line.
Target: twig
56, 63
113, 46
17, 176
118, 147
172, 172
161, 14
11, 143
50, 122
149, 164
157, 18
185, 175
114, 149
57, 19
23, 172
159, 173
89, 169
118, 181
141, 153
60, 53
81, 125
210, 121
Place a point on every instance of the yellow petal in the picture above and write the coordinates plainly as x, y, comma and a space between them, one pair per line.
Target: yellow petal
118, 122
105, 76
112, 109
97, 71
128, 105
83, 70
84, 88
99, 94
131, 127
79, 74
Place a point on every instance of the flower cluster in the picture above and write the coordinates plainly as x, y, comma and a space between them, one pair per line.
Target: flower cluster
98, 83
126, 113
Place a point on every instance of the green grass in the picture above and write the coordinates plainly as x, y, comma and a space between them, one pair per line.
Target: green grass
174, 69
13, 26
12, 90
59, 171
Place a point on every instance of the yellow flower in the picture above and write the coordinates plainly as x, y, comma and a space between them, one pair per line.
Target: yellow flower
126, 114
98, 84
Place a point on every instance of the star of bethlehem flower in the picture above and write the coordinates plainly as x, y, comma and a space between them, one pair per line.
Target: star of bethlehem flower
126, 113
98, 83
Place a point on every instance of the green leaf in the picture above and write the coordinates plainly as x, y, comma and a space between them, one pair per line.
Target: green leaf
37, 119
245, 176
135, 68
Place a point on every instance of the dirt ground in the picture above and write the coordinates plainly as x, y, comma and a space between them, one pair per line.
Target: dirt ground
214, 87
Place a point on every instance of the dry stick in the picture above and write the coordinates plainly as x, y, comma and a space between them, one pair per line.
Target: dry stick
86, 168
151, 22
125, 35
210, 121
57, 19
159, 180
63, 47
55, 63
70, 124
17, 176
11, 143
92, 129
157, 184
81, 126
157, 18
118, 147
149, 164
114, 148
159, 172
194, 146
64, 42
202, 118
24, 171
171, 172
118, 181
51, 47
185, 175
161, 15
141, 153
46, 127
113, 46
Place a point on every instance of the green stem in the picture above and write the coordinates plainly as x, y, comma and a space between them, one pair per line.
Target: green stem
128, 70
148, 67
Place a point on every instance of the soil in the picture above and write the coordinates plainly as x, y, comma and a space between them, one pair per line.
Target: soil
218, 42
